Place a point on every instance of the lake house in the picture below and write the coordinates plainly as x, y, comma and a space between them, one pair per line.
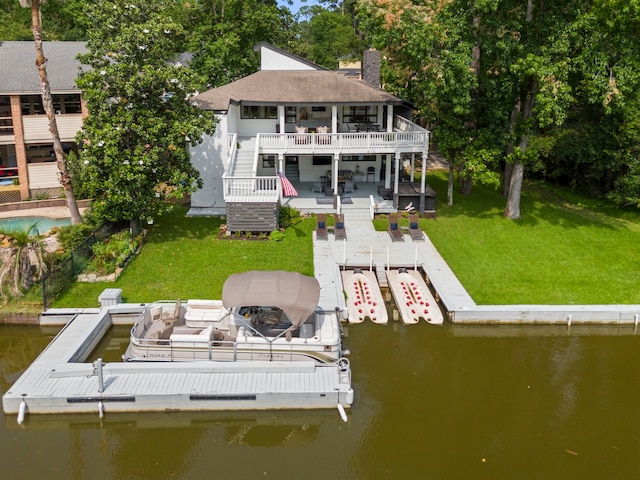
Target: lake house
296, 118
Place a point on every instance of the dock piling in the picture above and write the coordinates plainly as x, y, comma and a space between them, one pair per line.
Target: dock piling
97, 370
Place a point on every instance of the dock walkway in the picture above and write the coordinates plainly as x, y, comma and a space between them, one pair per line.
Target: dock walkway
365, 246
58, 382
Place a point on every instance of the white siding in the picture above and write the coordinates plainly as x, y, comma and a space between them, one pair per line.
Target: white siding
43, 175
272, 60
36, 128
208, 158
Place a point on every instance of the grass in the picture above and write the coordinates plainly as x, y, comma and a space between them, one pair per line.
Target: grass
183, 258
558, 252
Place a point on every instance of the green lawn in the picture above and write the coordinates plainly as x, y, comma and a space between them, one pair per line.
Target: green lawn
557, 252
184, 258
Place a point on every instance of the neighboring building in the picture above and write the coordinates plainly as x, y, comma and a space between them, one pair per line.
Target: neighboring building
296, 117
27, 162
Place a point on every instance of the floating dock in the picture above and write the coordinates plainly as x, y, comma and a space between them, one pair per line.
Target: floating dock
59, 380
364, 298
413, 297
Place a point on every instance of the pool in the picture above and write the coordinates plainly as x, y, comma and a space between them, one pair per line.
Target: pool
44, 223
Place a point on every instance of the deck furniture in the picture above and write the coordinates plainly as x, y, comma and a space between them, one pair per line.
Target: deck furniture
349, 187
321, 227
338, 230
414, 228
371, 174
394, 228
316, 187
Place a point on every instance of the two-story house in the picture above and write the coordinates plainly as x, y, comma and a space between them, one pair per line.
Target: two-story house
27, 162
317, 125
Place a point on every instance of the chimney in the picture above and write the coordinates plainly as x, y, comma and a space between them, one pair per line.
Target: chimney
371, 67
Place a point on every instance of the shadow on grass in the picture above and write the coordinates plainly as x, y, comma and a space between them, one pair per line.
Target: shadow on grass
537, 205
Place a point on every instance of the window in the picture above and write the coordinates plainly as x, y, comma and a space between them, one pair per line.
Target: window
62, 104
268, 161
260, 111
358, 158
360, 114
31, 105
322, 159
290, 114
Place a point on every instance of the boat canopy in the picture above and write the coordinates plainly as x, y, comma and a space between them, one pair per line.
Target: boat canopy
297, 295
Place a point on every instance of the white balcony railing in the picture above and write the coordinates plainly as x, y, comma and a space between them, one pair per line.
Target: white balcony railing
343, 143
251, 189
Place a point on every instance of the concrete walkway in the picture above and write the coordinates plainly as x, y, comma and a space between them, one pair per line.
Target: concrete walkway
365, 248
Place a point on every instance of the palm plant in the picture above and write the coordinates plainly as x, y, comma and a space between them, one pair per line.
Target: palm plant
65, 178
22, 263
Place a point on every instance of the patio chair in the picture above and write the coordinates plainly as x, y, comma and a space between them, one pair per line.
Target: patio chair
338, 229
394, 228
349, 187
414, 228
321, 227
316, 187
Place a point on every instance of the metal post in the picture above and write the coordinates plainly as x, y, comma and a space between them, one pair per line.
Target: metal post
98, 370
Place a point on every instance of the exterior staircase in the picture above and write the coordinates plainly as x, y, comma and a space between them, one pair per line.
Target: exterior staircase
292, 172
243, 165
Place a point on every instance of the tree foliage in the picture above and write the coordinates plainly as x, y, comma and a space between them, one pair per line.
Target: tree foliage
134, 153
329, 35
222, 34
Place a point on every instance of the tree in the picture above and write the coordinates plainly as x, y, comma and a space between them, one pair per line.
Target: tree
134, 154
222, 34
22, 262
432, 59
65, 178
329, 35
536, 66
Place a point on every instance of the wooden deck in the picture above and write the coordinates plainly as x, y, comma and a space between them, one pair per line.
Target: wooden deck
57, 381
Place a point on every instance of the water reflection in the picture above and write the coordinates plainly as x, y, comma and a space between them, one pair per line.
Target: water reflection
481, 402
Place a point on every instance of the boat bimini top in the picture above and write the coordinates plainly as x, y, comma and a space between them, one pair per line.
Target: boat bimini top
295, 294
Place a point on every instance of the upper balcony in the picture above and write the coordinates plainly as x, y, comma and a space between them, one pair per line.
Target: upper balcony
407, 137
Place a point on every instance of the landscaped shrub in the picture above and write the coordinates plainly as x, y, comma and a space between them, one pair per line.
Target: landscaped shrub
113, 252
70, 236
289, 216
276, 236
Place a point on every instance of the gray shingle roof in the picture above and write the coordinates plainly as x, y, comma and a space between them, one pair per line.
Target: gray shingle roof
294, 87
18, 73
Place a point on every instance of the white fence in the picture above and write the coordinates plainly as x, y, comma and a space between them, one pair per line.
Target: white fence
343, 143
251, 189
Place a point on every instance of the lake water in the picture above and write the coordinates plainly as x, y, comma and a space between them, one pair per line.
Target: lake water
431, 402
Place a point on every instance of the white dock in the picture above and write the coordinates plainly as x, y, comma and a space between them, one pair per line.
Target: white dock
364, 298
413, 297
58, 382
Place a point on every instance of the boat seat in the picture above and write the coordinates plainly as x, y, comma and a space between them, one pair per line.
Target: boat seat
202, 312
204, 336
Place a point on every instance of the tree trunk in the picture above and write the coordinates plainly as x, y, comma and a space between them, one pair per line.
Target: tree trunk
512, 209
47, 102
450, 183
467, 183
508, 168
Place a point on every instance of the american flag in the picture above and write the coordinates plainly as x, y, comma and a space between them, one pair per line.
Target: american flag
288, 190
